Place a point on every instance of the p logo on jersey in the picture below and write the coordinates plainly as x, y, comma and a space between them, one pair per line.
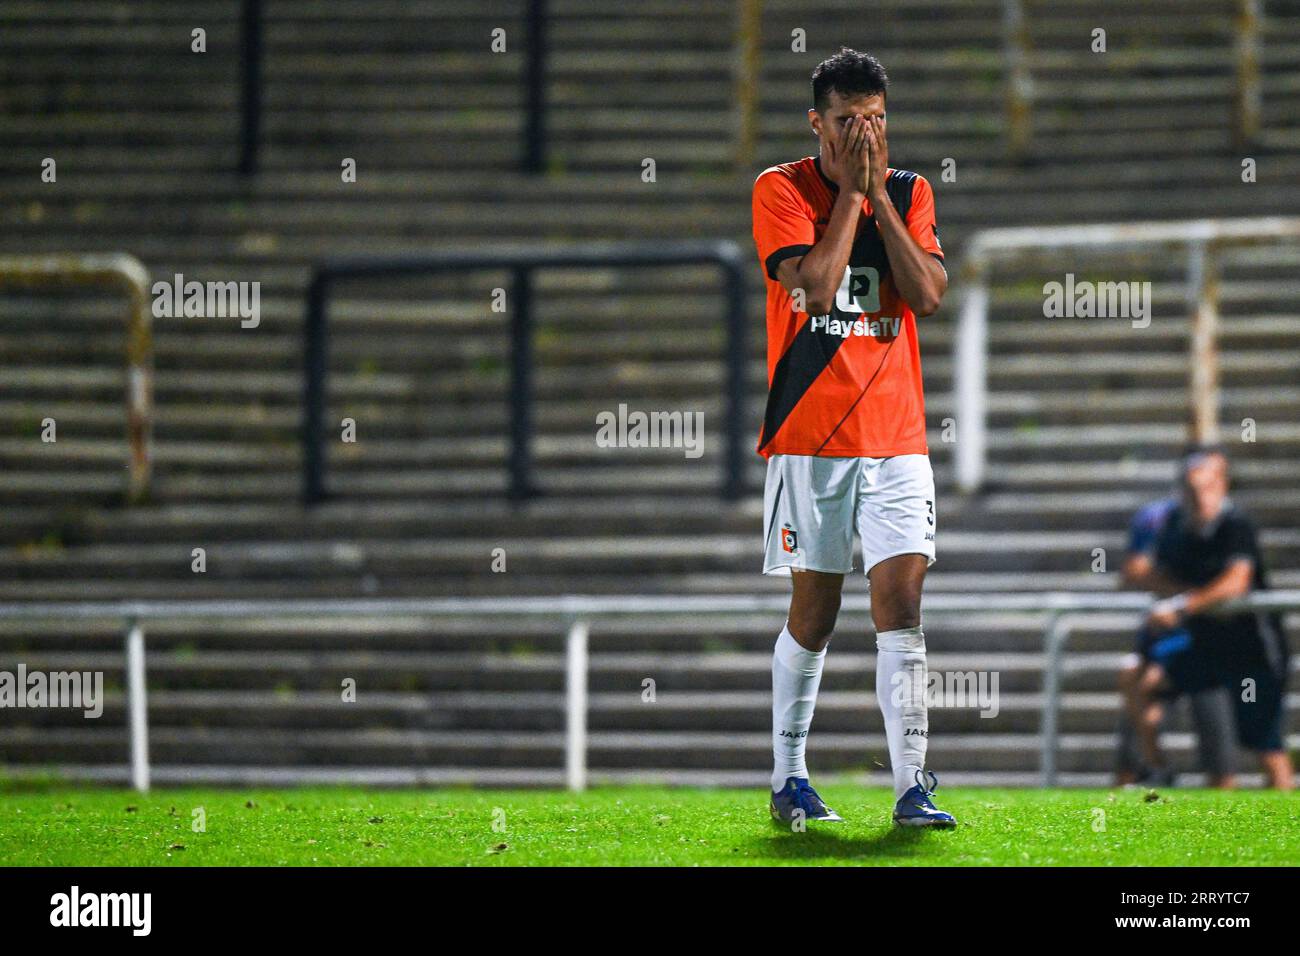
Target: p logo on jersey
789, 539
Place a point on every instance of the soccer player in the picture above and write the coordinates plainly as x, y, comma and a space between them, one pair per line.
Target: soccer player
851, 255
1207, 554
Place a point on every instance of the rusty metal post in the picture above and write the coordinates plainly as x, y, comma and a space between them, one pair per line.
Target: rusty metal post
1203, 294
1020, 87
1249, 98
748, 72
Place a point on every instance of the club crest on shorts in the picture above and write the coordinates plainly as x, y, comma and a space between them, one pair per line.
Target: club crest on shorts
789, 539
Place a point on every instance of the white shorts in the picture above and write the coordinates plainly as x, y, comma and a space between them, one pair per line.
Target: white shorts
812, 506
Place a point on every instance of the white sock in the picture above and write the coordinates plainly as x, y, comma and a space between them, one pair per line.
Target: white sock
900, 689
796, 675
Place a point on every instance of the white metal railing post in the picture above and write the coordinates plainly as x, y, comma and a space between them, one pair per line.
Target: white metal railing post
575, 686
137, 705
970, 382
1054, 638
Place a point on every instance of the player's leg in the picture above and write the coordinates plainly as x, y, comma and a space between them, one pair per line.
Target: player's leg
808, 512
797, 663
896, 521
900, 663
797, 670
814, 607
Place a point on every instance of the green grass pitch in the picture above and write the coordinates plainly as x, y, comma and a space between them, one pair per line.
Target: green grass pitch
635, 826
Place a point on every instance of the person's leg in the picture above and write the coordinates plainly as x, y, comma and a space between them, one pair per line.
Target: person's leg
797, 669
814, 606
1213, 718
900, 663
1278, 770
808, 534
1259, 699
1127, 760
1147, 710
1128, 763
897, 523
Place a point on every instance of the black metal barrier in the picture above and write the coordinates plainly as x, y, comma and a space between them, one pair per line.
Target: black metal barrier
522, 261
533, 78
250, 87
534, 82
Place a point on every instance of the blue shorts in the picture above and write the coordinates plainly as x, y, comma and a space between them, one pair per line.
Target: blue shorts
1165, 646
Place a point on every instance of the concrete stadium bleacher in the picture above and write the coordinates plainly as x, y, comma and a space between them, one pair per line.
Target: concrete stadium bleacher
1085, 417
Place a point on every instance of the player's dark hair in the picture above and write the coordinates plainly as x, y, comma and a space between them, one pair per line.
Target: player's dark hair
848, 73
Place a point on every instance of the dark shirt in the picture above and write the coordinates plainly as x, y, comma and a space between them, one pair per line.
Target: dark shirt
1194, 558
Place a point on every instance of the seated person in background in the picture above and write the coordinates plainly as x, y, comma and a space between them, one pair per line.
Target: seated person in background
1207, 554
1153, 658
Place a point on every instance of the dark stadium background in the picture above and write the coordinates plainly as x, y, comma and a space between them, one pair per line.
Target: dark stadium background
1086, 416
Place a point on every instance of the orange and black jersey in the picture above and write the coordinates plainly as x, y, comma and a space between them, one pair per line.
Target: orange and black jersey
846, 384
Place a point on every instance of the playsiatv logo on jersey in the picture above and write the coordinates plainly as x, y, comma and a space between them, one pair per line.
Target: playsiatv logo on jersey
883, 328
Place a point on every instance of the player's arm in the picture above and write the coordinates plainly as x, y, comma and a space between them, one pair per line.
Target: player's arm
920, 277
820, 271
1234, 582
1135, 574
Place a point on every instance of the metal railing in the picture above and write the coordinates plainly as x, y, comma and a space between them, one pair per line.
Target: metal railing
122, 273
1202, 239
522, 262
1060, 613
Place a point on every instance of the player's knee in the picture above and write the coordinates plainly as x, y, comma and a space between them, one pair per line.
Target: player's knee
812, 622
896, 612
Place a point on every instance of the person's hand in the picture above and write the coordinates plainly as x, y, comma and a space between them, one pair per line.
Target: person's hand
845, 157
877, 159
1164, 615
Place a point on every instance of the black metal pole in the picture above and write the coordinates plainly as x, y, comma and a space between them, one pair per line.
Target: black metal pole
535, 90
733, 484
251, 88
315, 369
521, 387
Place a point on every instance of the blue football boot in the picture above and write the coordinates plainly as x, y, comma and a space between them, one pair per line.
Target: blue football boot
797, 796
915, 809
